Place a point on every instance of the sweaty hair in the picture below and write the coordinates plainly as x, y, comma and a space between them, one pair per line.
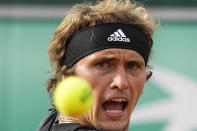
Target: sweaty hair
83, 15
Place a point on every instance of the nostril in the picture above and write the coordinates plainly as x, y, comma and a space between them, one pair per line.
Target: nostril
120, 81
119, 86
114, 87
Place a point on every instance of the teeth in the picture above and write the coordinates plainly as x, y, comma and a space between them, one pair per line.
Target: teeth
118, 99
114, 111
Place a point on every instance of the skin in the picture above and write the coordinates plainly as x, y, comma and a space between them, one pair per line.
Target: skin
113, 73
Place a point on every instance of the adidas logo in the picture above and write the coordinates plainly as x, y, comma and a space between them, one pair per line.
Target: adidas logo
118, 36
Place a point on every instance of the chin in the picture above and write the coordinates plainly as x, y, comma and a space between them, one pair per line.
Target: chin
113, 126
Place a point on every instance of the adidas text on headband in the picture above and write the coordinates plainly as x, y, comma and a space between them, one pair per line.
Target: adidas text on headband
105, 36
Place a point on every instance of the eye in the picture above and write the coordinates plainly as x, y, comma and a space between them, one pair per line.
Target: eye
133, 66
102, 65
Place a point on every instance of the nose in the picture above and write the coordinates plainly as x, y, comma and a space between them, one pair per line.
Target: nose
120, 80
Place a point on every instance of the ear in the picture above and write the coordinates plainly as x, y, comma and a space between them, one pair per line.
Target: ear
148, 75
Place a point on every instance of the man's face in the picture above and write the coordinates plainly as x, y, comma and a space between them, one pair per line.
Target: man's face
117, 77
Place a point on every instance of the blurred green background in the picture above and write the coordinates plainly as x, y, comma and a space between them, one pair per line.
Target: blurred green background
24, 62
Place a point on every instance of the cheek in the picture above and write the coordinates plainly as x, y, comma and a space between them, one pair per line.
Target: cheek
139, 88
98, 82
140, 83
98, 87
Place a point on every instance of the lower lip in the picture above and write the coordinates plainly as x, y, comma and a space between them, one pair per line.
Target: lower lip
114, 115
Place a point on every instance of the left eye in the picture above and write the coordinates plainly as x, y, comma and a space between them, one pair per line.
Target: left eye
133, 66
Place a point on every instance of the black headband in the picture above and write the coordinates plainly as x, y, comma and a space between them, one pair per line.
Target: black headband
105, 36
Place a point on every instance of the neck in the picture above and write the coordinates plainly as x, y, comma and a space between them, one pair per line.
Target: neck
65, 119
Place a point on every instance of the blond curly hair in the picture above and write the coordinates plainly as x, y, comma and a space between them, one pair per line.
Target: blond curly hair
88, 14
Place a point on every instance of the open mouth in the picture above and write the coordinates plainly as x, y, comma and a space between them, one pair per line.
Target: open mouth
115, 107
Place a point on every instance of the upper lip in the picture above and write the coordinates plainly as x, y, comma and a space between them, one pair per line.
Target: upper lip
117, 99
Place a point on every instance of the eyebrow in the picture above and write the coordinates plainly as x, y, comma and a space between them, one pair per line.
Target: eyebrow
110, 58
136, 62
106, 58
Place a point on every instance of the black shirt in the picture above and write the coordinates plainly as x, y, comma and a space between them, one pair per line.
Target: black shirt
50, 123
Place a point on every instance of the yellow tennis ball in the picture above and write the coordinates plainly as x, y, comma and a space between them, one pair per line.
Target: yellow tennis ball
73, 96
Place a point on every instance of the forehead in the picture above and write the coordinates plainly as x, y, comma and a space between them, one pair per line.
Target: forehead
125, 54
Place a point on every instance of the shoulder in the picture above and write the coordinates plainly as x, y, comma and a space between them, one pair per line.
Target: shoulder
47, 123
50, 123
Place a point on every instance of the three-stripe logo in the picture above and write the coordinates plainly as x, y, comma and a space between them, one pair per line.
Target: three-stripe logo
118, 36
